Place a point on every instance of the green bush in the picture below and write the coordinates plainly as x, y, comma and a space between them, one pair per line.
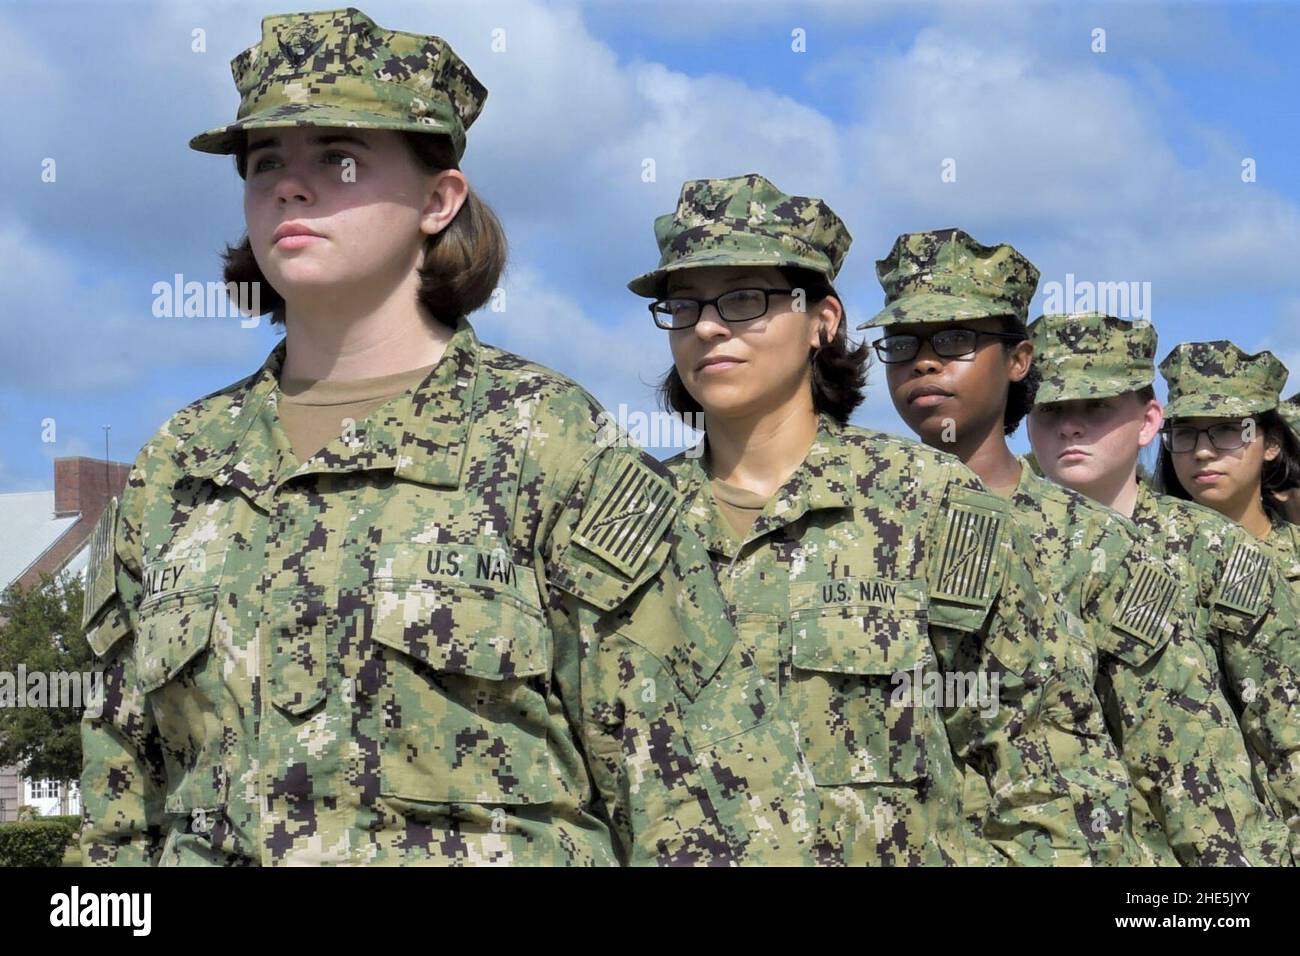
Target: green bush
35, 843
72, 821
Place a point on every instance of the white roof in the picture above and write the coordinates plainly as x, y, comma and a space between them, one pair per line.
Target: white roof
28, 528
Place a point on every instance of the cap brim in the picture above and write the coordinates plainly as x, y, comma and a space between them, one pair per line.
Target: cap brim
224, 140
1049, 392
935, 307
1216, 406
651, 284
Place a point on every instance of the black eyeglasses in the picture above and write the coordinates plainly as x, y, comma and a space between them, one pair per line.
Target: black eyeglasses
947, 343
1225, 436
738, 305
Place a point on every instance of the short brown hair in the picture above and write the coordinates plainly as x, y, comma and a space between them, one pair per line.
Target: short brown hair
839, 373
462, 263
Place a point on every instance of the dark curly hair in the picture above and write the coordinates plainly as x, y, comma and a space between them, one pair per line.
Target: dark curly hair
1020, 395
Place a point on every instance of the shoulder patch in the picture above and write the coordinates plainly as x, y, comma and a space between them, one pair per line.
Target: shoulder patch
101, 572
1245, 580
1144, 609
967, 555
629, 509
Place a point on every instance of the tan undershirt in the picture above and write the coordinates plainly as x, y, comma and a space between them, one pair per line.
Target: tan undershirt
740, 506
312, 411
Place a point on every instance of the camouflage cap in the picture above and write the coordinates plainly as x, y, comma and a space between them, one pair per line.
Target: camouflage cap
1219, 380
338, 68
744, 221
1290, 412
946, 276
1090, 355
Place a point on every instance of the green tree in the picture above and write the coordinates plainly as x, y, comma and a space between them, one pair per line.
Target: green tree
40, 628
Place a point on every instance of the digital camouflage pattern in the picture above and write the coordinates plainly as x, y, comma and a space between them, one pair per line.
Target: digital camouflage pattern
1219, 380
424, 644
339, 68
1290, 412
1089, 355
1086, 563
1155, 674
744, 221
1248, 617
878, 569
1242, 628
1283, 545
946, 276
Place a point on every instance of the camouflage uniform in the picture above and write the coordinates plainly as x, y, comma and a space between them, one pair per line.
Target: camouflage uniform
1252, 643
1257, 628
1283, 544
879, 568
1098, 562
1204, 806
464, 632
1283, 541
1218, 380
840, 603
1086, 559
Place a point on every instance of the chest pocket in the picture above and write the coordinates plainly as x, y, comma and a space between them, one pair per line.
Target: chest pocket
467, 659
858, 647
182, 691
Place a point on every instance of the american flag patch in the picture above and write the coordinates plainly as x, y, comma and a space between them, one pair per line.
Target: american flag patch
971, 538
1244, 580
101, 582
1145, 607
631, 508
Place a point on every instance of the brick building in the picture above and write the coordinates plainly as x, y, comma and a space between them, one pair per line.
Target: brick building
48, 532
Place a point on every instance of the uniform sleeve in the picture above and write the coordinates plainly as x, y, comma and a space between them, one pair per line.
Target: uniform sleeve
122, 777
640, 626
1256, 617
1070, 726
1178, 735
989, 618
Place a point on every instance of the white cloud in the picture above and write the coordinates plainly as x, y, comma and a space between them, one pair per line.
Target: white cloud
1067, 150
1282, 340
67, 331
1076, 162
616, 359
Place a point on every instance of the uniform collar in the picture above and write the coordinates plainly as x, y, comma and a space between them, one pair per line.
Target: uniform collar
1145, 507
1284, 542
824, 479
1028, 478
421, 436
